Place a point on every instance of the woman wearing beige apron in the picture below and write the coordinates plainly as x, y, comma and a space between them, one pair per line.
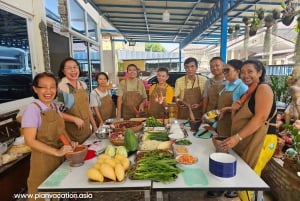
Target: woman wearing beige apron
160, 94
72, 93
213, 85
189, 89
251, 133
232, 91
42, 125
131, 95
101, 100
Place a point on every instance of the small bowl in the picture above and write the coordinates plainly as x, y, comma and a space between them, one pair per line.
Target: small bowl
103, 132
217, 141
222, 165
76, 158
195, 125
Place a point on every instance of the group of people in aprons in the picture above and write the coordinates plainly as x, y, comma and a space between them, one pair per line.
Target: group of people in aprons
247, 113
59, 108
247, 104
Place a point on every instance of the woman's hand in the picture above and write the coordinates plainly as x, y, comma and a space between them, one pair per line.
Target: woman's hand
229, 143
236, 105
79, 123
63, 150
195, 106
297, 124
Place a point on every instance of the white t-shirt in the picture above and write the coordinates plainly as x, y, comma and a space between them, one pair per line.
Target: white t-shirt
96, 96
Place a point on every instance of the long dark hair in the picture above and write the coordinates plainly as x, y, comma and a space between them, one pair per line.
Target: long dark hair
35, 82
259, 66
61, 73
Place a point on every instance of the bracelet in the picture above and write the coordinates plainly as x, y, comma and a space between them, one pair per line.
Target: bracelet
238, 137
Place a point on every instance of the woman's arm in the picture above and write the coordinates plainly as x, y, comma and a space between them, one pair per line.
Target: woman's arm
31, 141
263, 103
119, 106
98, 115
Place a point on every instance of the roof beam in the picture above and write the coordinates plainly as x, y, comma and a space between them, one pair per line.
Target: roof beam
213, 16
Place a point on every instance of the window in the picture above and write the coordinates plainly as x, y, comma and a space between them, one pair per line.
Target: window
15, 62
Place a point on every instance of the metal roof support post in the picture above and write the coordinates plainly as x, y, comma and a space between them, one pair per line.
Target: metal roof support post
224, 25
180, 55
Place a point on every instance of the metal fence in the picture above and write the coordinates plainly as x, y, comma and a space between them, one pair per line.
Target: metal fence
279, 70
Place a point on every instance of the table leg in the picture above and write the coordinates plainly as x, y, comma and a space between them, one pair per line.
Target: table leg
259, 195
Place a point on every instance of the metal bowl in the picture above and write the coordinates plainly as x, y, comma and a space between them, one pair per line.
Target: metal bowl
103, 132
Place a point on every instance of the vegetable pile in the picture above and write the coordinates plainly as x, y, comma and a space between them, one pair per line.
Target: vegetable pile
183, 142
153, 122
157, 165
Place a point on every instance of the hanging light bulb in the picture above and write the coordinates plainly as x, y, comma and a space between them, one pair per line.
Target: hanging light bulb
166, 14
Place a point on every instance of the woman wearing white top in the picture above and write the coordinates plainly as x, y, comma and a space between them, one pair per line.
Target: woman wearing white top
100, 97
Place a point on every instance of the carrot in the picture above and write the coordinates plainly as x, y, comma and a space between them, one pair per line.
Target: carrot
187, 159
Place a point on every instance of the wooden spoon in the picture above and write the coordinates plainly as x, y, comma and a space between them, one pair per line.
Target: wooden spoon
191, 114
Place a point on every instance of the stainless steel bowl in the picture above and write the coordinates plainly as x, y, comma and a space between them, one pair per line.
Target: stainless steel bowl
103, 132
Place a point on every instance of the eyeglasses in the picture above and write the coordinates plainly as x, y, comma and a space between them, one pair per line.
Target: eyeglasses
71, 67
225, 70
45, 88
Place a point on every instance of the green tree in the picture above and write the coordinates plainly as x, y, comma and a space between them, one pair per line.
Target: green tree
154, 47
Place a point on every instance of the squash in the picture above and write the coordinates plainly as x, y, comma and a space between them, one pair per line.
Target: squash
125, 163
108, 171
95, 175
120, 172
130, 140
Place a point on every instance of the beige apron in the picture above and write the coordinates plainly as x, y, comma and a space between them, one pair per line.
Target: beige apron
107, 109
250, 147
42, 164
213, 95
191, 96
224, 124
131, 102
80, 109
156, 109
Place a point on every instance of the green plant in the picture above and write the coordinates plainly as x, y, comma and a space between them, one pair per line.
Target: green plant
280, 88
269, 18
230, 30
237, 27
260, 13
246, 20
276, 14
296, 137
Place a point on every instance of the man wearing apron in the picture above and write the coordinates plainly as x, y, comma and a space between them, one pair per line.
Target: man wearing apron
160, 94
189, 89
131, 95
213, 85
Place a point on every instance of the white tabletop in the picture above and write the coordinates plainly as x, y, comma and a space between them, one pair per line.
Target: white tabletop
66, 178
201, 148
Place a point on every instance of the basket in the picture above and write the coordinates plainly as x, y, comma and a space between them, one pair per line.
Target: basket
136, 126
116, 138
116, 141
